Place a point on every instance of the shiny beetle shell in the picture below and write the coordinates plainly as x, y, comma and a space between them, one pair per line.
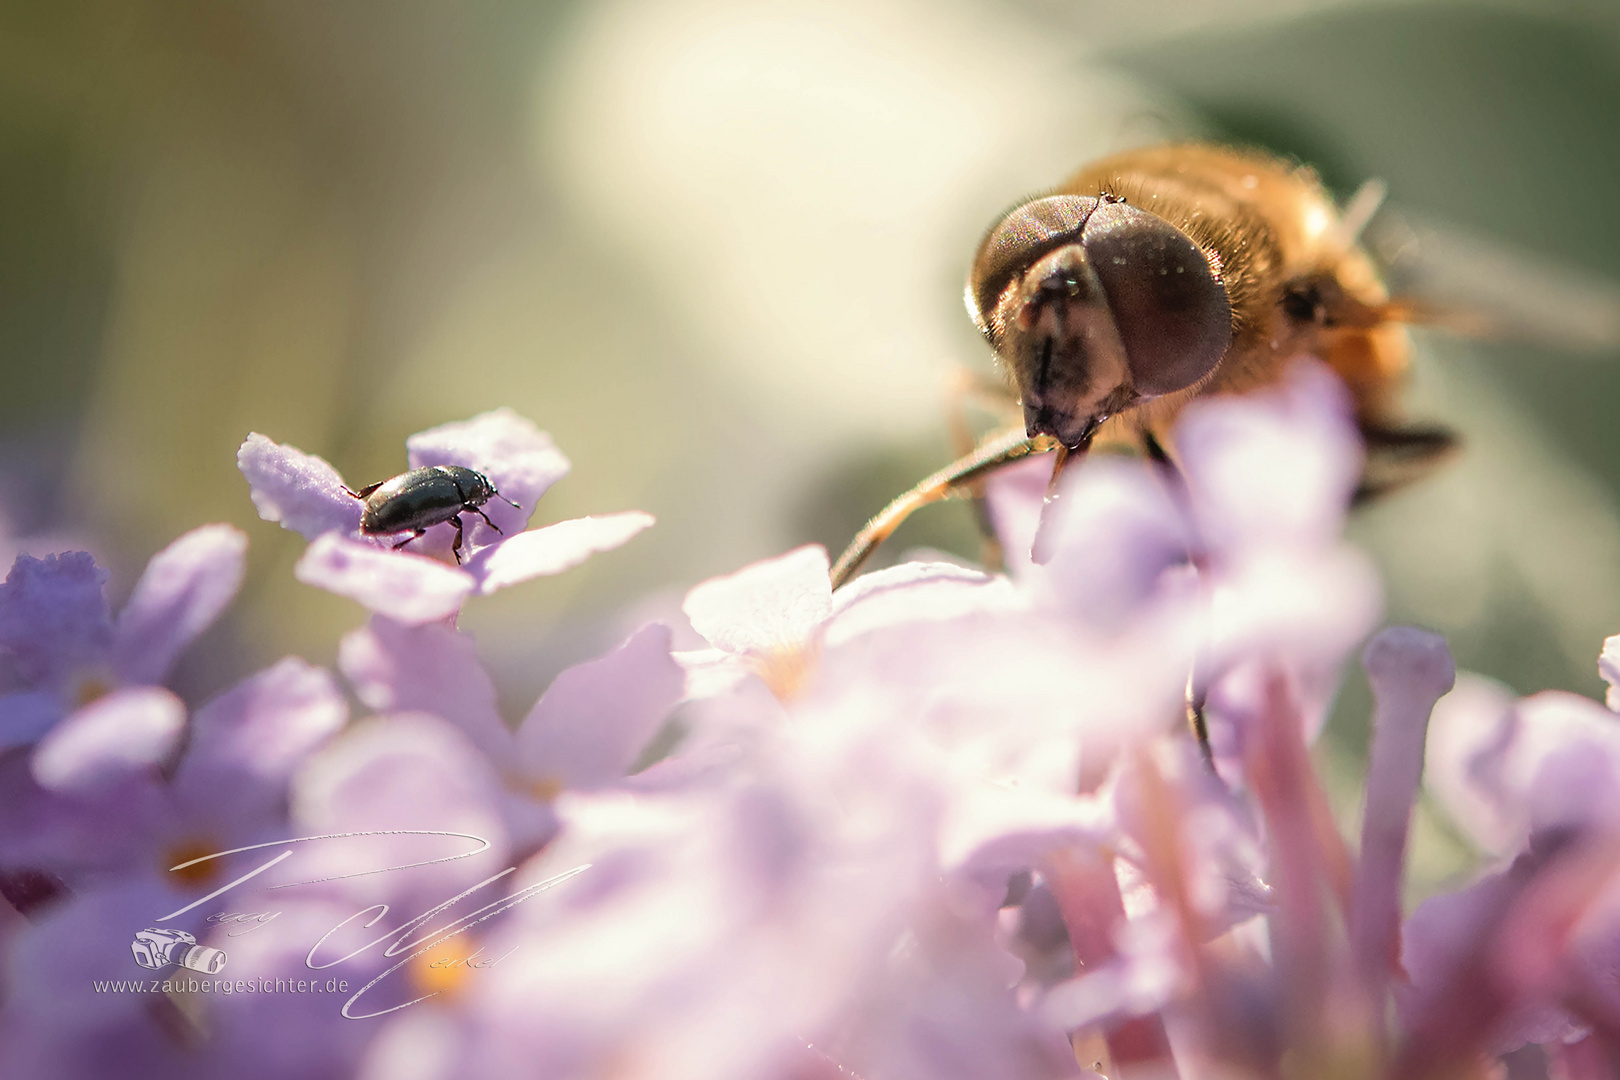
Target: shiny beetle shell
416, 501
422, 498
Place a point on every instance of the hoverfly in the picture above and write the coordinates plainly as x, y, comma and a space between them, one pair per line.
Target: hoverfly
1161, 274
1158, 275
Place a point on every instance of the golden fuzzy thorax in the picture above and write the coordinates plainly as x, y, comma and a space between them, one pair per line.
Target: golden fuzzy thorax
1265, 223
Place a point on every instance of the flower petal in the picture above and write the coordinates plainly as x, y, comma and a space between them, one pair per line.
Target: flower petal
1503, 768
103, 742
593, 720
992, 831
1447, 954
1015, 497
553, 549
519, 459
915, 592
772, 605
27, 716
181, 593
712, 672
1308, 604
299, 490
1113, 534
406, 588
1609, 668
1276, 464
1469, 729
432, 669
53, 617
106, 829
408, 771
1409, 670
247, 742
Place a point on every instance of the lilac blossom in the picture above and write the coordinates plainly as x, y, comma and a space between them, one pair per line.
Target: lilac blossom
1532, 783
938, 824
740, 923
416, 585
1239, 550
93, 680
438, 758
121, 848
584, 732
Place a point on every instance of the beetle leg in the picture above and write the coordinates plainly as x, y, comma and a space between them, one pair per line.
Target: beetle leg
480, 512
367, 490
409, 538
455, 548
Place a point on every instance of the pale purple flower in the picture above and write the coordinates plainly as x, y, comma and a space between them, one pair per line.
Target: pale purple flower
1409, 670
1313, 997
95, 699
399, 771
1257, 506
1536, 939
1609, 668
1034, 684
1505, 767
913, 705
779, 607
415, 771
936, 825
115, 845
418, 584
829, 893
730, 925
585, 731
229, 782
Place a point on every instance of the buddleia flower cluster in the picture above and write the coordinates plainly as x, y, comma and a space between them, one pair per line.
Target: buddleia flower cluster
937, 824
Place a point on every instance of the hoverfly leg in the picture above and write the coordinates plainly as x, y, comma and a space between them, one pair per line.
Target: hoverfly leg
1198, 674
1197, 694
949, 482
1396, 456
965, 388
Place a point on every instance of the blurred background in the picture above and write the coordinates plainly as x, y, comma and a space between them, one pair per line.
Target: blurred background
717, 250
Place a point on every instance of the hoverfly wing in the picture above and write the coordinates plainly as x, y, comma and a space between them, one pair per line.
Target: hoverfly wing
1446, 276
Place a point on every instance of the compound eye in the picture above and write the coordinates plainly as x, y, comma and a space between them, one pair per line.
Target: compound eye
1016, 243
1171, 310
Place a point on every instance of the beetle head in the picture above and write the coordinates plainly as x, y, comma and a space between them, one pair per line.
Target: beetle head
474, 486
480, 489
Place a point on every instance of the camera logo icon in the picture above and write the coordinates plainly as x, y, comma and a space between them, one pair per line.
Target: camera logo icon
155, 948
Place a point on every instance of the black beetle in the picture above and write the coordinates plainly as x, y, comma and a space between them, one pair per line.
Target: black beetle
416, 501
